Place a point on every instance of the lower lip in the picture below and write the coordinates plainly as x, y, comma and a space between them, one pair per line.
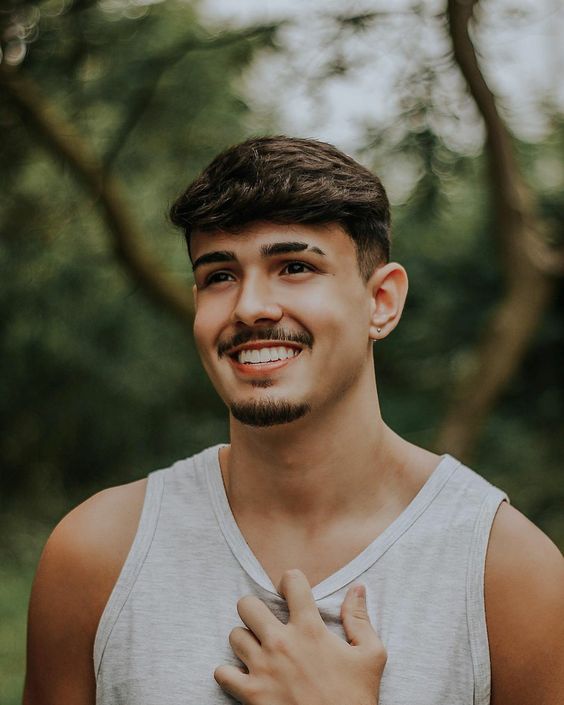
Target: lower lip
261, 368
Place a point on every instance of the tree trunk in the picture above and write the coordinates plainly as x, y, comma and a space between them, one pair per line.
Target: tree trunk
64, 141
525, 261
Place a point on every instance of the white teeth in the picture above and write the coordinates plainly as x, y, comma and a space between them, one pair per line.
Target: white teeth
269, 354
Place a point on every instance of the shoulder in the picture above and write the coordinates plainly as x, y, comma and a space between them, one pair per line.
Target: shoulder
77, 571
524, 599
90, 544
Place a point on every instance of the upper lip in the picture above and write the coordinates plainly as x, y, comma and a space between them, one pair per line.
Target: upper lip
255, 344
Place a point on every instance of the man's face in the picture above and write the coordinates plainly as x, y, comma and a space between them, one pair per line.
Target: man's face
282, 318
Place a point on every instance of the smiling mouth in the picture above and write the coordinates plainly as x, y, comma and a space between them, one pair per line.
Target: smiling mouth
260, 358
264, 355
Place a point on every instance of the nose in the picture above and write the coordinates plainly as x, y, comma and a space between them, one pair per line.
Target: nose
256, 304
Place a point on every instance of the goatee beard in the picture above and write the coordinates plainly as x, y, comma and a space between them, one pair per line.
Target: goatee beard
268, 412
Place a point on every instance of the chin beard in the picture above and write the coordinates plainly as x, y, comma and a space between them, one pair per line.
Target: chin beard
268, 412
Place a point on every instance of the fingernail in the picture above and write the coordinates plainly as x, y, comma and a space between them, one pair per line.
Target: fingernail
360, 591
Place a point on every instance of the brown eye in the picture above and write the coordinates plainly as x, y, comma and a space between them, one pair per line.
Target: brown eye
218, 277
297, 268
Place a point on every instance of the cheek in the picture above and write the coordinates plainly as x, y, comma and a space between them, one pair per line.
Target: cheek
208, 321
330, 313
320, 303
199, 331
205, 340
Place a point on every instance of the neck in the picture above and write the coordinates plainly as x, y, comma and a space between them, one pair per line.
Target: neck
343, 461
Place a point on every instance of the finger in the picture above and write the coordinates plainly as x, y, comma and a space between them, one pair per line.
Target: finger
232, 680
245, 645
297, 592
257, 617
356, 622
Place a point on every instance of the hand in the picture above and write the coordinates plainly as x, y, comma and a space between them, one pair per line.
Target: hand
302, 662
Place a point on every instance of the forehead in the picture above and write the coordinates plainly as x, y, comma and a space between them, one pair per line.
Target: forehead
330, 238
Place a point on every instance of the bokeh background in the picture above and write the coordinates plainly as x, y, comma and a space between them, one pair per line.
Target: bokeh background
109, 108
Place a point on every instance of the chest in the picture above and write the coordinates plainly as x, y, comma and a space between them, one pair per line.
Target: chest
318, 555
167, 641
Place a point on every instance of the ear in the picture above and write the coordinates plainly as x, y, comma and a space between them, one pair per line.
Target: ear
195, 295
388, 287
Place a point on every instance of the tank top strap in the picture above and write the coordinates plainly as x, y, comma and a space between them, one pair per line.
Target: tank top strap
132, 565
475, 605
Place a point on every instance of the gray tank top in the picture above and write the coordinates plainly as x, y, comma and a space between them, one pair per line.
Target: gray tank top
166, 624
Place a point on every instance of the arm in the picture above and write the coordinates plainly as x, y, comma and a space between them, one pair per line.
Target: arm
76, 574
524, 596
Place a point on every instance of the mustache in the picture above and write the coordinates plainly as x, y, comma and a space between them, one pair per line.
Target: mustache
250, 335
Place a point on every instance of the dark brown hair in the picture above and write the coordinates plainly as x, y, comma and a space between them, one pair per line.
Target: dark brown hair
289, 180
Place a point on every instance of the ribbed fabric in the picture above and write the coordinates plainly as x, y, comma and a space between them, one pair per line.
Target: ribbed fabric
166, 624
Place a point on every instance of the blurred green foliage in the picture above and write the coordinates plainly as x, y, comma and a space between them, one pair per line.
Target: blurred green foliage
443, 236
100, 386
23, 537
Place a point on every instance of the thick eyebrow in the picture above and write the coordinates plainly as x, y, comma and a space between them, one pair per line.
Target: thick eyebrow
210, 257
279, 248
276, 248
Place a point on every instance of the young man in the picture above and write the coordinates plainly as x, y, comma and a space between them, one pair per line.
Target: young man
193, 586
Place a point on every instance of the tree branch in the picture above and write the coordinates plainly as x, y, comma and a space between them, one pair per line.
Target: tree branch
154, 68
529, 287
63, 140
511, 196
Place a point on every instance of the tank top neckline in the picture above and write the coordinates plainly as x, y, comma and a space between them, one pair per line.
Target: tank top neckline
208, 462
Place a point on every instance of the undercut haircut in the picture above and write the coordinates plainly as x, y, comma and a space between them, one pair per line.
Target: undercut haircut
289, 180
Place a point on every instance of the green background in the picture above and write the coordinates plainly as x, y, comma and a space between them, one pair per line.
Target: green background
101, 385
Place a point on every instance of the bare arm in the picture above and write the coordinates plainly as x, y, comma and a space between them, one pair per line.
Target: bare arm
76, 574
524, 594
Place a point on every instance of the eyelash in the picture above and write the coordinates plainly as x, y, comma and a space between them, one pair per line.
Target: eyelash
209, 279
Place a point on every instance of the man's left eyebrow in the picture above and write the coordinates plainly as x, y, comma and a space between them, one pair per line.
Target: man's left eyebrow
280, 248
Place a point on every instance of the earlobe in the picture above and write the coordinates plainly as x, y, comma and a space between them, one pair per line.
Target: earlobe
388, 287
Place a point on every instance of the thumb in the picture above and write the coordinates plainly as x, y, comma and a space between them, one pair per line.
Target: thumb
355, 619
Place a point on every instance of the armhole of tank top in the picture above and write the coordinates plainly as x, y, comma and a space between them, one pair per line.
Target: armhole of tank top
132, 565
475, 604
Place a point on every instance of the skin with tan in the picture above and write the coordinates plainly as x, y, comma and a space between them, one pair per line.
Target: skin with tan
335, 478
302, 661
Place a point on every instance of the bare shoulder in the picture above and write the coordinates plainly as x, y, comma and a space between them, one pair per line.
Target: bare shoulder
77, 571
524, 598
90, 544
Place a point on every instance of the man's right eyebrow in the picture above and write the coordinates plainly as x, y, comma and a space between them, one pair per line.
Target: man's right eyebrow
211, 257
